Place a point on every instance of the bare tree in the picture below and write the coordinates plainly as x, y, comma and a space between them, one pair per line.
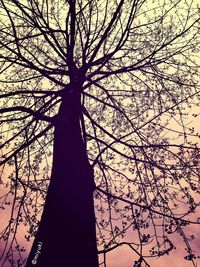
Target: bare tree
96, 100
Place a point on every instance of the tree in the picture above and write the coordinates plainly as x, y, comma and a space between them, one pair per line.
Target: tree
94, 104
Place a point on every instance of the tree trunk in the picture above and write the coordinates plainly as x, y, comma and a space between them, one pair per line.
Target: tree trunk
66, 235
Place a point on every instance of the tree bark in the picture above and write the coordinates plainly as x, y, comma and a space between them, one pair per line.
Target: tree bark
67, 235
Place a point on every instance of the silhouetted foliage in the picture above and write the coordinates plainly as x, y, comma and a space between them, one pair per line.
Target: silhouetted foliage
133, 66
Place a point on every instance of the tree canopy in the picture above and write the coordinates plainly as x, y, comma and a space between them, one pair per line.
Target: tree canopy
135, 66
